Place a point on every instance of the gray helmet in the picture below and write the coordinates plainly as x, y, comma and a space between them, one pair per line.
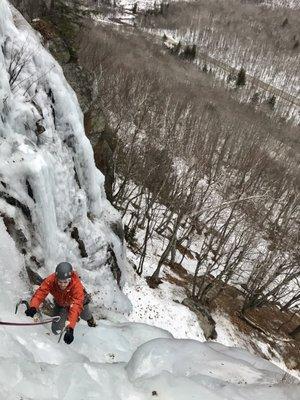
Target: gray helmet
64, 270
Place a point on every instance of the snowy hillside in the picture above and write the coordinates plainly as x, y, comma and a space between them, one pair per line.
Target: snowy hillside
52, 196
122, 361
283, 3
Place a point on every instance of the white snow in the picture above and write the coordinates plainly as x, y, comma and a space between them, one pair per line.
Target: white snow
156, 307
295, 4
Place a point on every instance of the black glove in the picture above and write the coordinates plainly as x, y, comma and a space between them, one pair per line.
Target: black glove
69, 337
30, 312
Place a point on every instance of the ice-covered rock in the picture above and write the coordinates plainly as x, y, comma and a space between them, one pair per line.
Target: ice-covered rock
189, 358
51, 194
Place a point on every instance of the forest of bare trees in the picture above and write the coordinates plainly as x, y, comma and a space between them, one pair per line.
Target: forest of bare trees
230, 35
197, 169
193, 167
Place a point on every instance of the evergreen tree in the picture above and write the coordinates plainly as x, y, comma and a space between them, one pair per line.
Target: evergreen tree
176, 49
272, 101
193, 51
134, 8
189, 52
241, 78
285, 23
255, 98
164, 8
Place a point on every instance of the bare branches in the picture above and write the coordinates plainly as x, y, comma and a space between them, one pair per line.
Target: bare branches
18, 58
194, 170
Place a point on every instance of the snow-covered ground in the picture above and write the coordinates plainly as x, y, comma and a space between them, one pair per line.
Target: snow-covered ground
142, 5
223, 53
295, 4
262, 64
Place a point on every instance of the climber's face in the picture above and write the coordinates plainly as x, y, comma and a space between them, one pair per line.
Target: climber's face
63, 283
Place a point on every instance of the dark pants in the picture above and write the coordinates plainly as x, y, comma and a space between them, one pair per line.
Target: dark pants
63, 313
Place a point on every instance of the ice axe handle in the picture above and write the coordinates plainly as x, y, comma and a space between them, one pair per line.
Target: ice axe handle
61, 333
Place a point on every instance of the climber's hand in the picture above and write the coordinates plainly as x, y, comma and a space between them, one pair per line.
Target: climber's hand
69, 337
30, 312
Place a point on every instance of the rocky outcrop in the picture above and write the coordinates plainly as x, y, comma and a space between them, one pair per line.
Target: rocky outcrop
114, 267
118, 230
31, 9
104, 152
52, 40
81, 246
206, 321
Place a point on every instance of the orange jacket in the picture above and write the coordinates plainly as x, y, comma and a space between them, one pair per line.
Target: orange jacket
71, 297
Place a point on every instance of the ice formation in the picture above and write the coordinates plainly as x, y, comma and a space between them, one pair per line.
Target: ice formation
49, 184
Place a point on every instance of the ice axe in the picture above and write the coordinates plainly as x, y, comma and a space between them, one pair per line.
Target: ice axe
21, 302
52, 319
36, 321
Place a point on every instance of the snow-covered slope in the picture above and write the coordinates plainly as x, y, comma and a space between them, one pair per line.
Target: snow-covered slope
121, 361
283, 3
51, 194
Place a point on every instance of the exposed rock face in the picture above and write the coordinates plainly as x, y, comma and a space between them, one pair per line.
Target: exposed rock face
81, 246
114, 266
206, 321
117, 228
104, 151
296, 334
94, 121
52, 40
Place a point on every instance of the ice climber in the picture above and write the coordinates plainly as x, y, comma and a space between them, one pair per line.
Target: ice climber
70, 301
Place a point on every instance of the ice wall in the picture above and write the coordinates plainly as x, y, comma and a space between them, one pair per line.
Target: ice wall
48, 178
